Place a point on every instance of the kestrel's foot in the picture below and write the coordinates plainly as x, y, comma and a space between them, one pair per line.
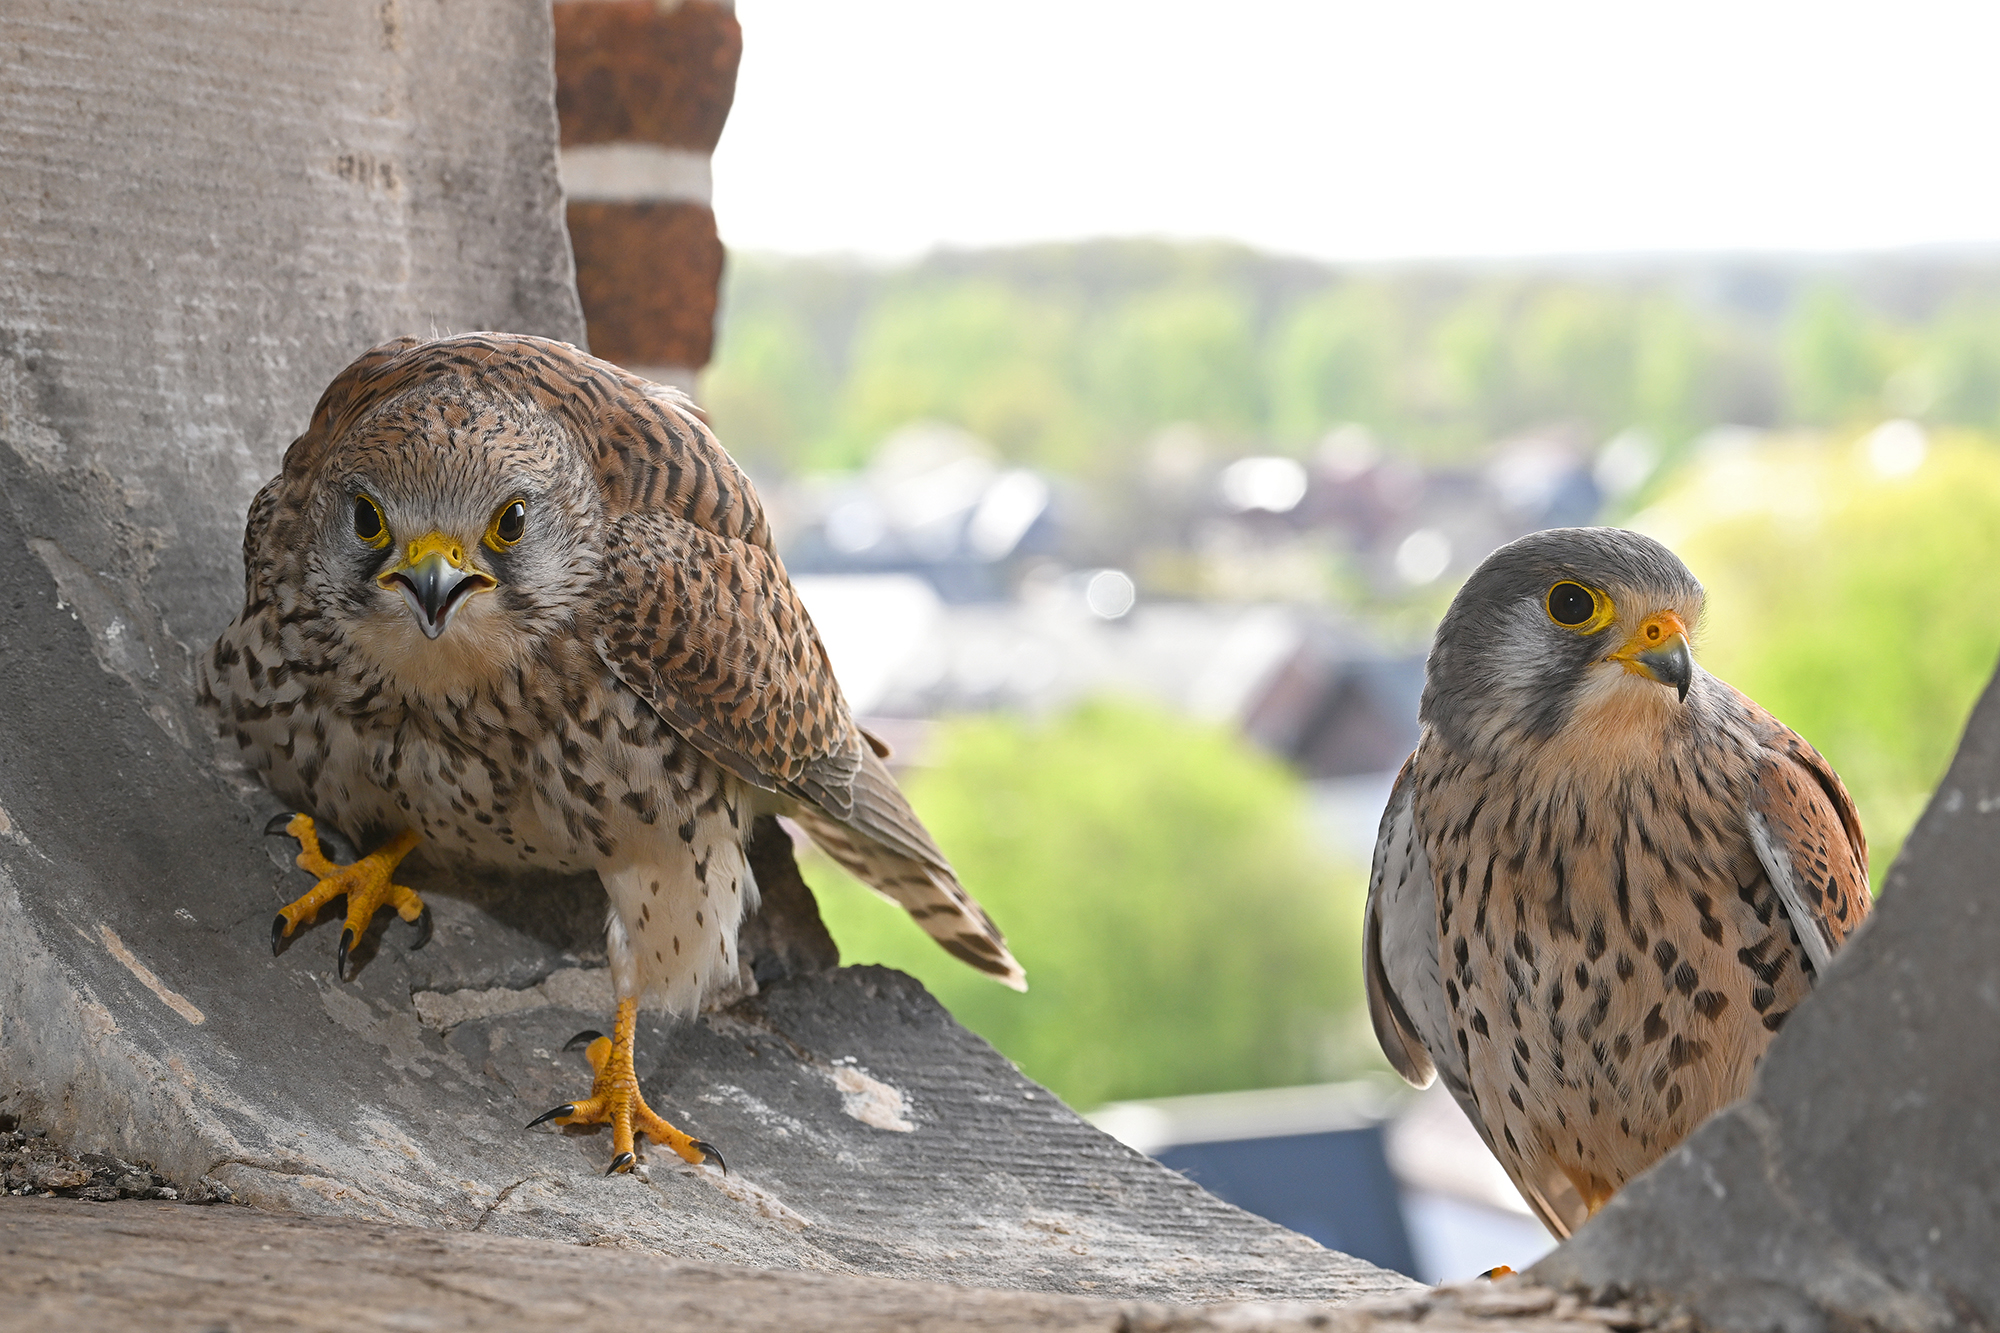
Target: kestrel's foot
365, 884
615, 1101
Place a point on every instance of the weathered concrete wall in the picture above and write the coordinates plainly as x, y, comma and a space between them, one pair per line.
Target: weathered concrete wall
204, 213
1859, 1184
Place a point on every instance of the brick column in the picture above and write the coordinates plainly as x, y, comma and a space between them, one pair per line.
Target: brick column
642, 90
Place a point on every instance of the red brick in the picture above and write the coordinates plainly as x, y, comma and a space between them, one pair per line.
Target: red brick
647, 274
630, 71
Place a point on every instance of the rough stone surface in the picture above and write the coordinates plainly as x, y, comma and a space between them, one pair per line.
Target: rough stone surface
204, 213
167, 1266
1859, 1184
33, 1163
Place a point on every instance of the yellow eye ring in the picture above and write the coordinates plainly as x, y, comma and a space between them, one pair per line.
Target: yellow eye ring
369, 525
1576, 607
509, 525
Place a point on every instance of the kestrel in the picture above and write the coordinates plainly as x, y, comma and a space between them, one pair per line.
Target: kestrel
515, 606
1604, 877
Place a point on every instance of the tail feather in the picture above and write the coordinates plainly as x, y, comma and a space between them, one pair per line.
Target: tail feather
882, 814
884, 846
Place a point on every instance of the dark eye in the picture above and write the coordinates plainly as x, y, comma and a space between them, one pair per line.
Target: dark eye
1571, 604
511, 523
368, 525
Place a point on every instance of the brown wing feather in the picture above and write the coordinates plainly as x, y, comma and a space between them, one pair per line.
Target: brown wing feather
1803, 819
710, 632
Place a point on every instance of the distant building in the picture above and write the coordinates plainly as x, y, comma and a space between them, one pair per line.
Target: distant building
1336, 707
933, 505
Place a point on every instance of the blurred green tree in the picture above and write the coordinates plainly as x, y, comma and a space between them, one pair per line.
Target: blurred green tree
1575, 359
1180, 354
977, 354
1689, 372
1338, 357
770, 393
1838, 358
1962, 354
1472, 378
1182, 929
1074, 357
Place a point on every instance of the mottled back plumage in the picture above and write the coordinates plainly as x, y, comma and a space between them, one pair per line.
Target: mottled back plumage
1604, 877
627, 682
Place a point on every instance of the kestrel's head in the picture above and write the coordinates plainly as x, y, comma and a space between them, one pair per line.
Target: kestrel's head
446, 529
1563, 624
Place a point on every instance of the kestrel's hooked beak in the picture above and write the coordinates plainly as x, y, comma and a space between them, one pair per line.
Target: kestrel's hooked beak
435, 580
1658, 650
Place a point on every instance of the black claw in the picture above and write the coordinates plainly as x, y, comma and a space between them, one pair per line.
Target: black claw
623, 1161
583, 1038
709, 1154
278, 823
567, 1108
340, 957
423, 927
278, 935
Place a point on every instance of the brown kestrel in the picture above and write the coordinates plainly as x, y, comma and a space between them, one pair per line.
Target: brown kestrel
515, 606
1604, 877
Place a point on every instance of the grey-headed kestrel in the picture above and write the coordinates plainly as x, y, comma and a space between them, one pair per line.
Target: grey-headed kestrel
1604, 877
517, 607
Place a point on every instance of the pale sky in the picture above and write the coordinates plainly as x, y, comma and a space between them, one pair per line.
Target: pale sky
1363, 131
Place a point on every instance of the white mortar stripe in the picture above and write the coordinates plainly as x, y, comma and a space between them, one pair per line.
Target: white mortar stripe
627, 173
177, 1003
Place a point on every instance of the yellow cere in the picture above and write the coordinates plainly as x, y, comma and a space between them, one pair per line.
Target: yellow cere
435, 543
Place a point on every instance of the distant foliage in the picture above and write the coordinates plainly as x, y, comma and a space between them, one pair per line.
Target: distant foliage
1838, 360
1073, 358
975, 353
1182, 930
1856, 606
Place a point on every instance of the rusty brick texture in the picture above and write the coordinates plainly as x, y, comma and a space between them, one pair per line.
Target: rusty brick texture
647, 274
635, 71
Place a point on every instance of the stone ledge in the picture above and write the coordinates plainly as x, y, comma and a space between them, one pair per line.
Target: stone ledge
171, 1266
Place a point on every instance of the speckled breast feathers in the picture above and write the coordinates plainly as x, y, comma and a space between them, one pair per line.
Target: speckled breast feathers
1604, 877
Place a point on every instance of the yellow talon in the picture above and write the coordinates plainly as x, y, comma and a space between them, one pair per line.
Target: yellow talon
366, 885
615, 1101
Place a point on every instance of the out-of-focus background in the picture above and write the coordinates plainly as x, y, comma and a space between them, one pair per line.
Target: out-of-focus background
1131, 387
